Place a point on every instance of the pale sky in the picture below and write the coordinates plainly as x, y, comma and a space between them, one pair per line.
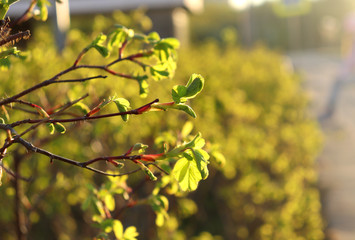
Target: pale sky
241, 4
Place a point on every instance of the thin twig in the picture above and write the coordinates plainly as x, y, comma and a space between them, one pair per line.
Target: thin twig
79, 80
26, 15
13, 174
66, 106
84, 118
30, 147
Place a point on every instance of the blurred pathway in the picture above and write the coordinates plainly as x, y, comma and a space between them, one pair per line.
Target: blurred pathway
337, 161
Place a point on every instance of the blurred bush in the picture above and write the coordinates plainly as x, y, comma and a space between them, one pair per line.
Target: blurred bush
252, 106
255, 108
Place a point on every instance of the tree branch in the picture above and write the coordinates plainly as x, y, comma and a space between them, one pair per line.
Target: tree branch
136, 111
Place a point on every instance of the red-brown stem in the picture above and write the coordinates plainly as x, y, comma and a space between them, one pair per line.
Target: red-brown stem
72, 68
80, 56
26, 15
120, 50
121, 157
131, 112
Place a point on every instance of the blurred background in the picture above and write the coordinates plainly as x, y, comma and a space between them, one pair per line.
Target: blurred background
279, 102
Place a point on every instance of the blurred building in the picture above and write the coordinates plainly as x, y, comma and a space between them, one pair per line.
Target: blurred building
169, 17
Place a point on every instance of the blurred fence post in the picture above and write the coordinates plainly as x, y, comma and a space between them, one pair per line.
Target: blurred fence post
62, 23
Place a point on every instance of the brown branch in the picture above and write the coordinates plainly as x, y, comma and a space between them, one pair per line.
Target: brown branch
105, 68
46, 83
129, 58
13, 174
137, 111
35, 87
30, 147
80, 79
75, 66
11, 39
66, 106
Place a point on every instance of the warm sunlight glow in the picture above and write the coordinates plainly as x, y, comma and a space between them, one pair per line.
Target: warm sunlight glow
239, 4
242, 4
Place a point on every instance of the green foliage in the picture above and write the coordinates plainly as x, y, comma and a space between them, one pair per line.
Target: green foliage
192, 88
4, 7
156, 60
256, 110
123, 106
252, 106
42, 14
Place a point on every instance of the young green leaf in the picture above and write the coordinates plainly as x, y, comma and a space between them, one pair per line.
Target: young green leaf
201, 157
99, 40
98, 45
118, 229
172, 42
11, 51
187, 174
117, 38
143, 87
109, 202
153, 37
159, 72
43, 11
183, 107
4, 7
186, 129
160, 205
123, 105
147, 171
59, 128
51, 128
130, 233
178, 92
107, 225
102, 50
82, 107
140, 147
194, 85
98, 207
5, 64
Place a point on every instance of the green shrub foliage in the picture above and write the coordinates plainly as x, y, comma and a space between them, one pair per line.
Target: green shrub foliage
257, 111
64, 126
262, 187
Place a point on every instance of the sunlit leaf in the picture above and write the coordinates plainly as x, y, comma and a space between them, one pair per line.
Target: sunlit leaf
194, 86
118, 229
187, 174
187, 109
140, 147
201, 158
186, 129
59, 128
130, 233
123, 105
172, 42
178, 92
153, 37
102, 50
